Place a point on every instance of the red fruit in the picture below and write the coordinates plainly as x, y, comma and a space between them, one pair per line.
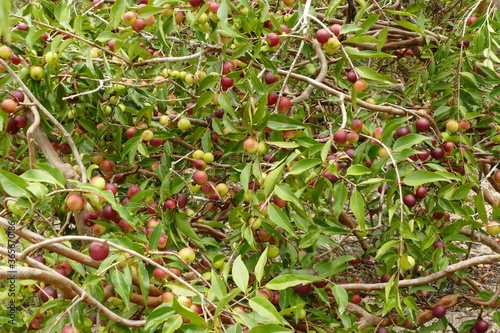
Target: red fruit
125, 226
106, 165
70, 329
40, 259
195, 3
22, 27
98, 251
352, 76
360, 86
159, 274
410, 200
422, 125
335, 28
108, 212
47, 293
356, 299
111, 45
439, 311
424, 155
330, 176
200, 177
129, 133
8, 105
437, 244
139, 25
65, 148
87, 217
279, 202
228, 66
437, 153
357, 125
448, 146
471, 20
17, 96
272, 98
340, 137
382, 329
226, 82
303, 289
402, 131
481, 326
272, 39
182, 200
270, 78
322, 35
111, 187
421, 192
385, 278
170, 204
133, 190
284, 104
21, 121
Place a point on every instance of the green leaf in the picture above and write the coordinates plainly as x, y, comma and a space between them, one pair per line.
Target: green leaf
420, 177
204, 100
5, 7
279, 122
117, 12
195, 318
283, 191
358, 170
240, 274
160, 314
172, 324
222, 303
42, 176
277, 216
362, 39
272, 179
283, 144
341, 297
285, 281
265, 309
14, 185
304, 165
410, 26
358, 208
481, 208
408, 141
269, 328
368, 73
260, 266
122, 283
387, 245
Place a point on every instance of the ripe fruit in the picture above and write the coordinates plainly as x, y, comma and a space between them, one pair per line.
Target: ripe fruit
303, 289
322, 35
108, 212
47, 293
36, 73
471, 20
410, 200
357, 125
9, 106
250, 146
75, 202
437, 153
200, 177
226, 82
356, 299
139, 25
5, 52
272, 39
129, 133
16, 95
270, 78
352, 76
382, 329
106, 165
284, 104
439, 311
279, 202
421, 192
360, 86
385, 278
340, 137
481, 326
159, 274
98, 251
70, 329
184, 124
335, 28
437, 244
402, 131
422, 125
289, 134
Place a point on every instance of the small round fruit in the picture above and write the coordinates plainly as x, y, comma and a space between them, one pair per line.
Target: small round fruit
250, 146
47, 293
303, 289
356, 299
493, 228
352, 76
407, 262
147, 135
481, 326
98, 251
187, 254
360, 86
439, 311
410, 200
272, 39
75, 202
422, 125
184, 124
9, 105
200, 177
284, 104
322, 35
36, 73
273, 251
5, 52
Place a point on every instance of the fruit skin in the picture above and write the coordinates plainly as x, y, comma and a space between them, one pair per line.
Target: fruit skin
360, 86
98, 251
272, 39
250, 146
410, 200
322, 35
5, 52
493, 228
284, 104
184, 124
439, 311
70, 329
407, 262
200, 177
8, 106
273, 251
46, 293
481, 326
332, 45
36, 73
422, 125
75, 202
187, 254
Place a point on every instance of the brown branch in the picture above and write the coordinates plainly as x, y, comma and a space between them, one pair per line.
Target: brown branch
68, 252
482, 238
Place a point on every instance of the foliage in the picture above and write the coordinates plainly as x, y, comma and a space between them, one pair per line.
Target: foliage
302, 209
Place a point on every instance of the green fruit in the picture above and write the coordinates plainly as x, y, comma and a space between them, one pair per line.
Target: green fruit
51, 58
208, 158
407, 262
198, 154
310, 69
36, 73
184, 124
273, 251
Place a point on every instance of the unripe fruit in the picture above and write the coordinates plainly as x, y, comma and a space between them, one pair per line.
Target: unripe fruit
493, 228
452, 126
98, 182
36, 73
75, 202
51, 58
407, 262
187, 254
9, 105
273, 251
129, 18
184, 124
332, 45
250, 146
147, 135
5, 52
